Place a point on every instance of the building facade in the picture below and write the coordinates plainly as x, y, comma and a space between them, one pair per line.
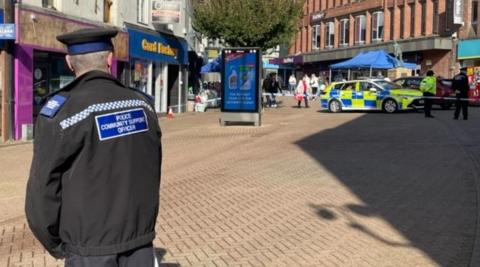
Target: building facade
423, 32
152, 50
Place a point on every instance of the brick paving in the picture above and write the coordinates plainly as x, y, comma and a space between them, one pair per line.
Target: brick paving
306, 189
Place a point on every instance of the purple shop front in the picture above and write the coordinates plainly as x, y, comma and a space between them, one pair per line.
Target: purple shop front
39, 61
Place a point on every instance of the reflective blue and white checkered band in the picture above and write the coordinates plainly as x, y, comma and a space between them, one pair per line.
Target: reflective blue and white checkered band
70, 121
89, 47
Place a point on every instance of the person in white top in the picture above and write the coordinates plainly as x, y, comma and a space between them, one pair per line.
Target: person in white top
292, 82
314, 84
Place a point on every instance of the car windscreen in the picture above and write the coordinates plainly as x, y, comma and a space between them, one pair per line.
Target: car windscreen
387, 85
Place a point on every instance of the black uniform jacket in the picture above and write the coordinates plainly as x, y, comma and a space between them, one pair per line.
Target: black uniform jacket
95, 176
460, 85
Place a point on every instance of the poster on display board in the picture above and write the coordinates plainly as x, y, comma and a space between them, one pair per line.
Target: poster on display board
240, 96
240, 79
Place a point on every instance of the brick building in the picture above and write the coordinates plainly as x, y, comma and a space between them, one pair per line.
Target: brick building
424, 32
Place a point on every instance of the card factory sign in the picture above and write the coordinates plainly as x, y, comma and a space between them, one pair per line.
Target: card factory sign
166, 11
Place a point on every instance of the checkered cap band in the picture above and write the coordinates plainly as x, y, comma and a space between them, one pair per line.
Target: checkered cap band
70, 121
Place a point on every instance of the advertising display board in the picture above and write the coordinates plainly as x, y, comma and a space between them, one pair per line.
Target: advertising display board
240, 84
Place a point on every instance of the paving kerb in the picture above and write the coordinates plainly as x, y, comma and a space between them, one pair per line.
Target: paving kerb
242, 196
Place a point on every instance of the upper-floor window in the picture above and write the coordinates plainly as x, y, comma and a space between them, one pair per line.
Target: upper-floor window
316, 37
435, 17
107, 4
360, 29
475, 16
329, 34
344, 32
142, 14
48, 3
377, 26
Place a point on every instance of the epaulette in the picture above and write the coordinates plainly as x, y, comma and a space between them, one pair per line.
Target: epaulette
53, 106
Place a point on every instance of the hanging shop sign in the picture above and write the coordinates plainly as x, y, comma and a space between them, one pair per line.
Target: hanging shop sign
166, 11
458, 12
316, 18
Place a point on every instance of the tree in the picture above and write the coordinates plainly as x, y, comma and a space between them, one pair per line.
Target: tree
259, 23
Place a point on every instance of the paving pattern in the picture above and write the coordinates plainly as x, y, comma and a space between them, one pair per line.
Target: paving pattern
307, 188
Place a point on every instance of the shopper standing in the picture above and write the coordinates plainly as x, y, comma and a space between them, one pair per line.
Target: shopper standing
461, 87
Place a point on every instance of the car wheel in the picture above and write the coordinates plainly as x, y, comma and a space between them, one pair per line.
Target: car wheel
446, 106
389, 106
334, 106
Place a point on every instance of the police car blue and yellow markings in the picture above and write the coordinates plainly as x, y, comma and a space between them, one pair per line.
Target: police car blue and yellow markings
366, 99
121, 123
70, 121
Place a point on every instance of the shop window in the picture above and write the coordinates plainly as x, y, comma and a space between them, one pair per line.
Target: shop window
142, 14
316, 37
139, 73
360, 29
475, 16
344, 32
329, 34
377, 26
50, 73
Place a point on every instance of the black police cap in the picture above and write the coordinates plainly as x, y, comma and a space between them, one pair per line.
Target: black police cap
88, 40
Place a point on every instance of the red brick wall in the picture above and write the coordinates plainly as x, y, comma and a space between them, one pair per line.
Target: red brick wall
441, 62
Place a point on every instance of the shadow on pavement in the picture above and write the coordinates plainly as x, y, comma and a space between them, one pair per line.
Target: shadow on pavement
160, 253
406, 171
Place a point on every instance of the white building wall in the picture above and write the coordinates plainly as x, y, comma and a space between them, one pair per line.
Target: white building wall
86, 9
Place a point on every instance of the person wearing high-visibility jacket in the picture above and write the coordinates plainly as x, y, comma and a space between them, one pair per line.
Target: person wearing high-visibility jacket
429, 88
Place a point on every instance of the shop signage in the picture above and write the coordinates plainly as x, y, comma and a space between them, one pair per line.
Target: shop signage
317, 17
240, 80
160, 48
7, 31
166, 11
458, 12
157, 47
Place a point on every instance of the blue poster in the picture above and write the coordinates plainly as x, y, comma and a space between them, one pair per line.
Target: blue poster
240, 80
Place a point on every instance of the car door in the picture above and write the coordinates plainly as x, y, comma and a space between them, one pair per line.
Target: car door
347, 94
366, 95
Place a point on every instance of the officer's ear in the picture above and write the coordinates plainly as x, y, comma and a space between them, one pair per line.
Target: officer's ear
69, 63
110, 61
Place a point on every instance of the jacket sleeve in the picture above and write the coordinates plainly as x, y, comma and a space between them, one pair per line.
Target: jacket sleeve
43, 196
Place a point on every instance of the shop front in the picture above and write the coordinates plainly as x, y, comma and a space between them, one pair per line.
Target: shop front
39, 61
159, 67
469, 54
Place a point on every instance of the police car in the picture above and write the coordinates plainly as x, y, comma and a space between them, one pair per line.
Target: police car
371, 94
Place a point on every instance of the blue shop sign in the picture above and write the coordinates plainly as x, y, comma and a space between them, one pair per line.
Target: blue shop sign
158, 47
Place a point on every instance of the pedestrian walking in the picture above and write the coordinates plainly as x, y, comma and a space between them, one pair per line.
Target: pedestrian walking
93, 192
270, 86
461, 87
292, 83
314, 85
301, 93
429, 88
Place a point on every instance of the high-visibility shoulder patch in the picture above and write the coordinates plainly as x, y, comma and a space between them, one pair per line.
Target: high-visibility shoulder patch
53, 106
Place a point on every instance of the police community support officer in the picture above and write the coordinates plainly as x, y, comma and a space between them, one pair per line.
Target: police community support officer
93, 192
461, 87
429, 88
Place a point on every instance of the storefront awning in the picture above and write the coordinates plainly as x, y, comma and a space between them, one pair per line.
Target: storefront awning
468, 49
268, 65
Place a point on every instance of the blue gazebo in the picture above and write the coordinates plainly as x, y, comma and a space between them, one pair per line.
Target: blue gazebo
371, 60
